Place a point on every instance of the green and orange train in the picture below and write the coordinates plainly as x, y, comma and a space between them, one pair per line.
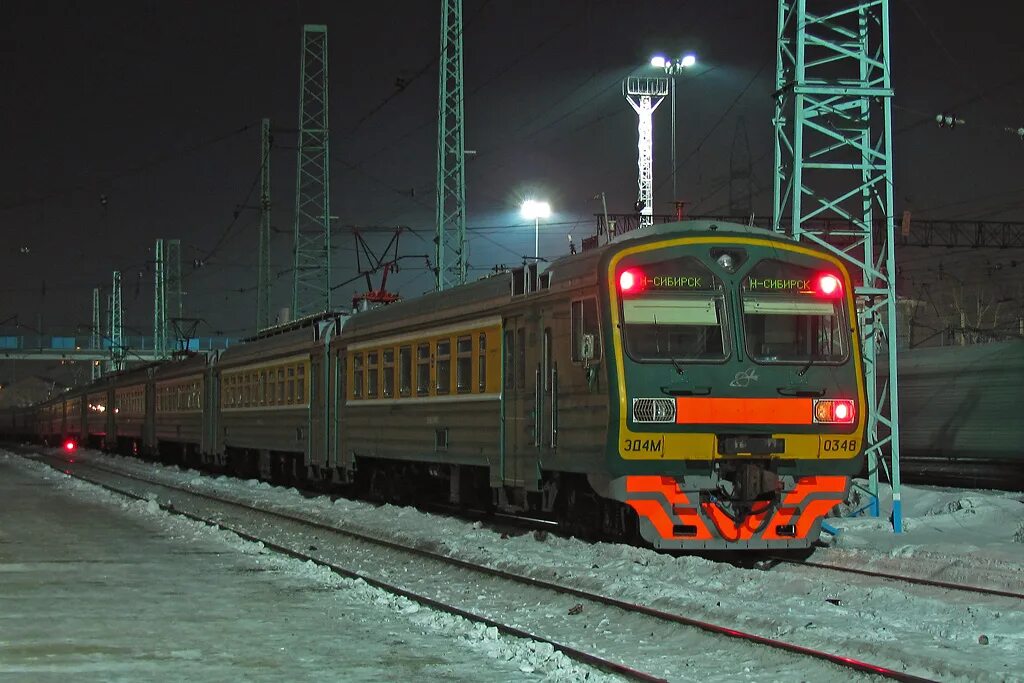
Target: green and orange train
696, 385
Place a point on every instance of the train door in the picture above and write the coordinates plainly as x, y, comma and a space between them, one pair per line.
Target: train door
317, 403
519, 468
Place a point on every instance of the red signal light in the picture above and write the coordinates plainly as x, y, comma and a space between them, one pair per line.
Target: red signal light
631, 281
69, 445
828, 286
834, 411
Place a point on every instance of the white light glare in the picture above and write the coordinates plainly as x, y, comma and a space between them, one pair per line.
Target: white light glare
688, 61
532, 210
658, 61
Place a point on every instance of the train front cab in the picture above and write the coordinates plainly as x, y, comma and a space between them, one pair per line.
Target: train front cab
736, 389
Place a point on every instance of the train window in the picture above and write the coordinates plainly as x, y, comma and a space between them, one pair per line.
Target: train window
510, 359
357, 375
422, 369
371, 374
280, 386
464, 365
481, 364
584, 322
300, 384
444, 367
784, 320
405, 371
521, 358
676, 314
387, 378
263, 387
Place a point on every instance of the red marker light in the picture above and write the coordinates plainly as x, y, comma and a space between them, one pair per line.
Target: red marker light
69, 445
834, 411
828, 286
630, 281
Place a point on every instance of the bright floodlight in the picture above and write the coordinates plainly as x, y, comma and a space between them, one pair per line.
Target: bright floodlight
658, 61
688, 61
532, 210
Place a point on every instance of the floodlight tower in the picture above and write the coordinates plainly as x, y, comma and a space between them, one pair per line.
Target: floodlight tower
450, 242
172, 281
833, 158
644, 94
159, 304
311, 265
263, 265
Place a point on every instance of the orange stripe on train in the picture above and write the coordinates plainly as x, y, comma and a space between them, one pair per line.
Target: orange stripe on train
780, 411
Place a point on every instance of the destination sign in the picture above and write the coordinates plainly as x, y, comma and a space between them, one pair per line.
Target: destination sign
773, 284
678, 282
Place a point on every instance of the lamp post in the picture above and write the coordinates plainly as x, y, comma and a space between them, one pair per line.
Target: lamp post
535, 210
673, 67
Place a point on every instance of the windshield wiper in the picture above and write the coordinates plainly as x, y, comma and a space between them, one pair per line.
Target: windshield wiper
803, 371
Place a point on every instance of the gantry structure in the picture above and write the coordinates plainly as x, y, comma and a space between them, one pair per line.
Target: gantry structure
311, 250
450, 241
833, 159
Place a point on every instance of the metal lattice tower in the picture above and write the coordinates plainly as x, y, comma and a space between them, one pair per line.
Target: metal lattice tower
311, 266
450, 242
159, 303
833, 158
116, 328
172, 279
263, 266
644, 94
97, 331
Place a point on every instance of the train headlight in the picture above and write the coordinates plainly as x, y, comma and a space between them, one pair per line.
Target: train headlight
654, 410
834, 411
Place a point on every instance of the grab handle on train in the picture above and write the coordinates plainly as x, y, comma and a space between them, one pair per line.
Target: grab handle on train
802, 393
681, 391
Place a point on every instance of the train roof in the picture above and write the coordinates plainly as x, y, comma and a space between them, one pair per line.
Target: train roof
478, 298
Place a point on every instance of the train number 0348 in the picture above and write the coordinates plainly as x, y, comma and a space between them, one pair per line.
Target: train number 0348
844, 445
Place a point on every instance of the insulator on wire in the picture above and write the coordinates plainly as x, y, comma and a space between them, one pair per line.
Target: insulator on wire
948, 120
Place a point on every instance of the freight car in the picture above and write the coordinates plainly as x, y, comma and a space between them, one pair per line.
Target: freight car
698, 385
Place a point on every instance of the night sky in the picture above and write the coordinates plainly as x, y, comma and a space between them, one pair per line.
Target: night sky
156, 106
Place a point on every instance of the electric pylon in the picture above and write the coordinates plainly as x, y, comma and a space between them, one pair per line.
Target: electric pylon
97, 332
450, 242
116, 332
644, 94
311, 265
263, 267
833, 158
159, 304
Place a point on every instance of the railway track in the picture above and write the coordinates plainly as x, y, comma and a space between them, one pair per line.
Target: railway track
782, 653
899, 578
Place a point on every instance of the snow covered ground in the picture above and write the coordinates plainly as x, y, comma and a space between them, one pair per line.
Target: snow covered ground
956, 535
94, 587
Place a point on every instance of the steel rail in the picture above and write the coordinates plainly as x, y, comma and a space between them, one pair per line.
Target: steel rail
935, 583
568, 650
840, 660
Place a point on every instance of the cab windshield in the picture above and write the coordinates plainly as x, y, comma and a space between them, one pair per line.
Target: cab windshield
786, 319
676, 312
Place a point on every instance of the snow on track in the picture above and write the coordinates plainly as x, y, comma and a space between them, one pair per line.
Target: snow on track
923, 630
